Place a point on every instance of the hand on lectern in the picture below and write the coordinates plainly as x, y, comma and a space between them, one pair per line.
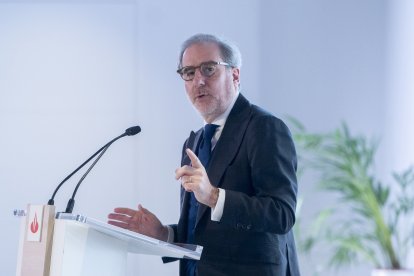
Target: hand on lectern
141, 221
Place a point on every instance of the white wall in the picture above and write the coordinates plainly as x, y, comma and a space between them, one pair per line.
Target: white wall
400, 88
398, 151
67, 86
74, 75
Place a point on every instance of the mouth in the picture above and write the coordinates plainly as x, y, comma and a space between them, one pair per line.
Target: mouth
200, 96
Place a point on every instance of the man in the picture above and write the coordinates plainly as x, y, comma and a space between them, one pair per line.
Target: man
238, 192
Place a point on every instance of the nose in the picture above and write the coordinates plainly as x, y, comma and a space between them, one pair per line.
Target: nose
199, 79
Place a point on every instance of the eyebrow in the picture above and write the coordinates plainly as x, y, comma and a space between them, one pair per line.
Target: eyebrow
192, 66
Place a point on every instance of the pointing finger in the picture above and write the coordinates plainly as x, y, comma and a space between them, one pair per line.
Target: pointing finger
195, 162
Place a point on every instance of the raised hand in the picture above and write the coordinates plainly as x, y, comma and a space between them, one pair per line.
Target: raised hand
194, 179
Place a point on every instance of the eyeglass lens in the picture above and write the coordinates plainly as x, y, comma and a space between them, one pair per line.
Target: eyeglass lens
206, 69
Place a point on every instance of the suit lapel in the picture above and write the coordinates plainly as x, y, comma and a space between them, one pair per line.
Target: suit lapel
228, 144
193, 141
192, 144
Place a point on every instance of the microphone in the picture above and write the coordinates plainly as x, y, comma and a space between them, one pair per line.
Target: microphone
128, 132
132, 131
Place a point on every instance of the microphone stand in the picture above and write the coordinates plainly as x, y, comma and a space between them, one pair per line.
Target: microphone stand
128, 132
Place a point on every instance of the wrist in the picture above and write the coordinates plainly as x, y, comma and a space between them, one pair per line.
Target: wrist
214, 197
164, 233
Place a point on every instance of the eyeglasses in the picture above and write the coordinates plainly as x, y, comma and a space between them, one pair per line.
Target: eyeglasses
207, 69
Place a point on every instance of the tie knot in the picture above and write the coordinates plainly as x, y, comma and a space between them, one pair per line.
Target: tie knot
209, 130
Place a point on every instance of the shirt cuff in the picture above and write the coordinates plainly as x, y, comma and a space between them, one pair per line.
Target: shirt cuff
217, 212
170, 234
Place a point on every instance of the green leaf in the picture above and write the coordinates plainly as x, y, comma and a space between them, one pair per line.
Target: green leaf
344, 164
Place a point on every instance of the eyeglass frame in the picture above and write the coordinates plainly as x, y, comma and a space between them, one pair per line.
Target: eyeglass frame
215, 63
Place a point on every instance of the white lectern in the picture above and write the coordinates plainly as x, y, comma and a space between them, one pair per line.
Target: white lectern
75, 245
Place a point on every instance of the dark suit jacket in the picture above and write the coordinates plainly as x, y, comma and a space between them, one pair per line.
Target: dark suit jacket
254, 160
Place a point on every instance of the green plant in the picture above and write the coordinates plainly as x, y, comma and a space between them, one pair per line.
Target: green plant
377, 226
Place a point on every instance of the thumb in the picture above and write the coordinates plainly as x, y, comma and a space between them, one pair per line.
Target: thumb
140, 208
195, 162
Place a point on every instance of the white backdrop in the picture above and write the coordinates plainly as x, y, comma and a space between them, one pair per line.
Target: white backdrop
75, 74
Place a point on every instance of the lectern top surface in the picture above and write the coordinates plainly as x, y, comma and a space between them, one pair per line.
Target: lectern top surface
137, 242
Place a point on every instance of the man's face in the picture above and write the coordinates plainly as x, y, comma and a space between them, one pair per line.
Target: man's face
210, 95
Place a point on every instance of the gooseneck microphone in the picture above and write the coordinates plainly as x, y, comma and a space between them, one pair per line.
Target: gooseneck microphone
128, 132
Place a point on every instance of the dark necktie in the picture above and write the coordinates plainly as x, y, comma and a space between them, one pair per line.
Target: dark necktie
204, 154
204, 151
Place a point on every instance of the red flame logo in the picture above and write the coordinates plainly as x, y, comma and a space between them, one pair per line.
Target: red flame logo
34, 226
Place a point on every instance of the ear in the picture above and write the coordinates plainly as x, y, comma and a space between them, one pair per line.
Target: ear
236, 76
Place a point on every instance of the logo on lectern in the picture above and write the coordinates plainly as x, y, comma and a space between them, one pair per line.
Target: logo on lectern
34, 225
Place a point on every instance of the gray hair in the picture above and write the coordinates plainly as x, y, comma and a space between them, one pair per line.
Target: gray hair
229, 52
